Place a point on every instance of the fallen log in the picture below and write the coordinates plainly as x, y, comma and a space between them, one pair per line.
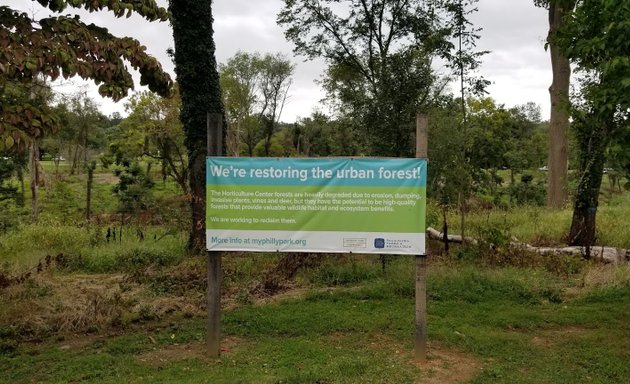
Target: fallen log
606, 254
437, 235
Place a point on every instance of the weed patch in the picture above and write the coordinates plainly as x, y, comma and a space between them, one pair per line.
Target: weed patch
343, 271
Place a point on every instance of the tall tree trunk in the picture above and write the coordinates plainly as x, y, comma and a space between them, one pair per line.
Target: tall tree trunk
445, 230
85, 143
22, 196
559, 120
88, 200
462, 213
250, 150
33, 160
196, 69
75, 159
269, 124
233, 143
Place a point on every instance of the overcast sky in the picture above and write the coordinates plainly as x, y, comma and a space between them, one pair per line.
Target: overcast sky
514, 30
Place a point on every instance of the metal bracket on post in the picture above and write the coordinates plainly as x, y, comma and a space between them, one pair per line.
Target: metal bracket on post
215, 148
422, 125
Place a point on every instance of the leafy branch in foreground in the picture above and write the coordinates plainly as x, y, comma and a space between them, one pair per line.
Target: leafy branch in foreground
64, 46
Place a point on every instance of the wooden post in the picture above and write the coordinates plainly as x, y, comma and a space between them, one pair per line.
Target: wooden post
422, 124
215, 148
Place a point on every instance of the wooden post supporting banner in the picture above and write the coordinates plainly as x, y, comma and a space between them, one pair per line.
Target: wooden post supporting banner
422, 124
215, 148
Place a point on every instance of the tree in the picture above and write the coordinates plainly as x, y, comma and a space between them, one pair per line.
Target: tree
58, 143
11, 199
528, 147
465, 60
153, 130
557, 194
489, 134
319, 135
596, 40
84, 130
618, 159
344, 138
254, 86
8, 168
198, 79
251, 134
65, 46
24, 102
89, 167
239, 82
133, 190
275, 82
449, 172
379, 55
496, 138
311, 135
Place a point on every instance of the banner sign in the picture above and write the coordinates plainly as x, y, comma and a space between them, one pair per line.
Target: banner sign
316, 205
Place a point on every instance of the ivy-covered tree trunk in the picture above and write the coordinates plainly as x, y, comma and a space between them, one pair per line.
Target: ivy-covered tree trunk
592, 137
596, 41
196, 69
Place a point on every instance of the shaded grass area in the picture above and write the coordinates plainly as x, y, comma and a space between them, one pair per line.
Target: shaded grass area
521, 325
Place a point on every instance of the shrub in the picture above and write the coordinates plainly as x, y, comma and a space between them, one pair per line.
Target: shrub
528, 192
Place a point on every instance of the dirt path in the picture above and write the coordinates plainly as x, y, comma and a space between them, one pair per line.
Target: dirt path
445, 366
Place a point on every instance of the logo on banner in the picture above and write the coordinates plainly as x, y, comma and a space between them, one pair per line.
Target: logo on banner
381, 243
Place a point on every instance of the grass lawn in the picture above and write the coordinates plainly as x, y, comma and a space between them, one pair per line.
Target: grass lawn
486, 325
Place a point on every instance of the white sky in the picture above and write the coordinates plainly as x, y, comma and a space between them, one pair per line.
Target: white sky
514, 30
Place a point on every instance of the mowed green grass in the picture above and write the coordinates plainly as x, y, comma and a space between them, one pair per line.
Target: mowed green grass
516, 325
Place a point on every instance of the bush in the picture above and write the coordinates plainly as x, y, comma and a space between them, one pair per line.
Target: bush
10, 216
528, 192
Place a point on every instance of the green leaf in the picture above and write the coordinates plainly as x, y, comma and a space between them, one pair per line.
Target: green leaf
9, 142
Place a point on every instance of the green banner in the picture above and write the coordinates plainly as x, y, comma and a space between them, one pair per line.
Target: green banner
316, 205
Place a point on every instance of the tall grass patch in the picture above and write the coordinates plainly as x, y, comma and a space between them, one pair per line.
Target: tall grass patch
541, 226
31, 243
612, 218
342, 270
87, 249
129, 256
465, 283
530, 224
